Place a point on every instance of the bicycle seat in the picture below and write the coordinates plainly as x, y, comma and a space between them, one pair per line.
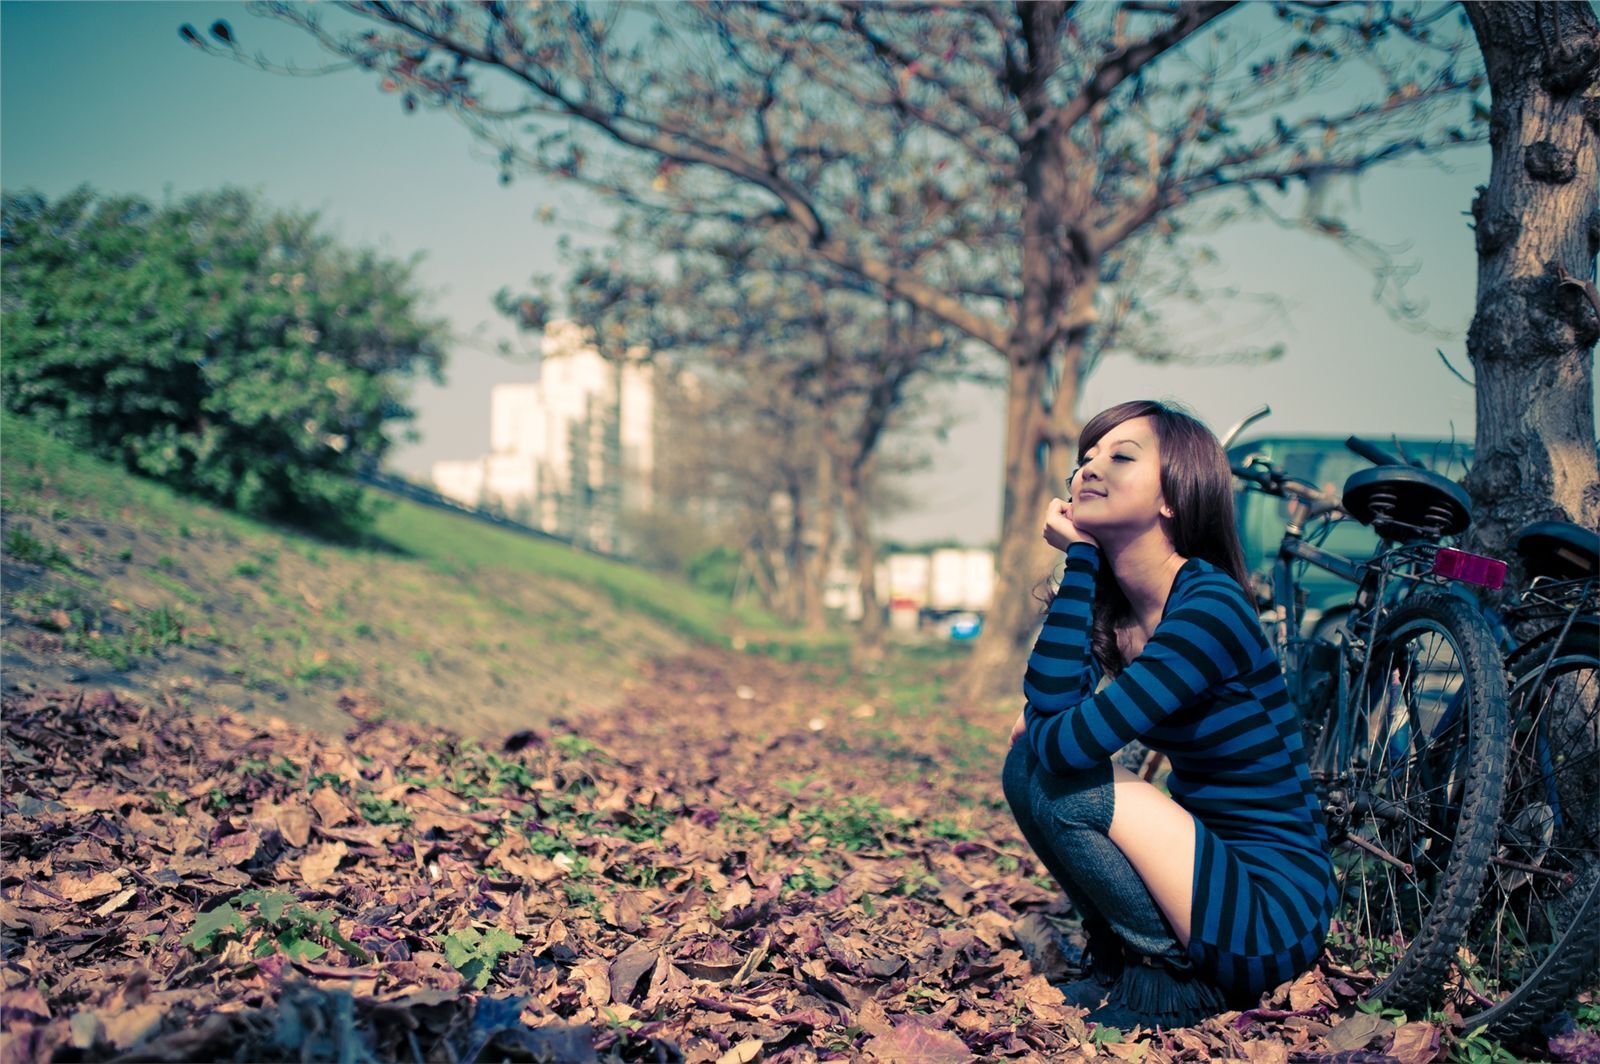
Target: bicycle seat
1559, 550
1403, 502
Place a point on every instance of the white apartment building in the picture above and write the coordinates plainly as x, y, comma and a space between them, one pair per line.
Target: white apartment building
570, 452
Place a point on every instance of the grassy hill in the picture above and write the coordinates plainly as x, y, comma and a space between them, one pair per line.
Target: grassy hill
113, 581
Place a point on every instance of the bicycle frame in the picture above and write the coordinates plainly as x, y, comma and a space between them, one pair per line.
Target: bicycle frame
1385, 579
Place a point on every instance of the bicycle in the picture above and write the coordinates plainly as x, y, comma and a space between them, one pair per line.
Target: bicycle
1403, 709
1535, 936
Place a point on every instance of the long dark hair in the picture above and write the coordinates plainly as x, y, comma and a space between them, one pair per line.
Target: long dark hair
1196, 483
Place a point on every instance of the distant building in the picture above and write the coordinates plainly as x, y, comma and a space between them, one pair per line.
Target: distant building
922, 590
568, 453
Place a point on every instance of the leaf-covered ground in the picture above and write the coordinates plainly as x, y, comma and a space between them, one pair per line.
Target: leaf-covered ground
748, 860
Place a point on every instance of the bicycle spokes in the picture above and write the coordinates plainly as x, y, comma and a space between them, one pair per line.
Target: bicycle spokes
1546, 861
1406, 751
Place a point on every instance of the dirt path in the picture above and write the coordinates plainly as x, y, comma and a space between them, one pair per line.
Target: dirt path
744, 860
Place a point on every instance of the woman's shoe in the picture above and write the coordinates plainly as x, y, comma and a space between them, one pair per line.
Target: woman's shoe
1158, 992
1089, 992
1100, 964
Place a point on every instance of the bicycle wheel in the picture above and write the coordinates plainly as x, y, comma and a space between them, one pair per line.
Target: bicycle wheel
1535, 939
1414, 767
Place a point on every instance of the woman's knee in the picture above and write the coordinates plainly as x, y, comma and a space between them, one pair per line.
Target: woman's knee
1016, 779
1081, 798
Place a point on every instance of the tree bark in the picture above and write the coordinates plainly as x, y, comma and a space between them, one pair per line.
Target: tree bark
1538, 229
1040, 442
1057, 284
852, 489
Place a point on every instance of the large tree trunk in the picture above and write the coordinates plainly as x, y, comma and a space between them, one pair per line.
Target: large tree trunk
1057, 285
868, 644
1532, 337
1024, 561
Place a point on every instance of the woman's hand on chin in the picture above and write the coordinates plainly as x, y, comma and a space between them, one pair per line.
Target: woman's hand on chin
1059, 530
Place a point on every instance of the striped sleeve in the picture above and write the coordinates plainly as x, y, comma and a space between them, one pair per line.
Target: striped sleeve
1201, 642
1061, 671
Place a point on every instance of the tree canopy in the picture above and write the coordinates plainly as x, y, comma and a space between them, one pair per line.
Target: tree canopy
229, 349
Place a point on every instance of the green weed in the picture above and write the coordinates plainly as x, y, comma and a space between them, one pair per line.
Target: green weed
574, 745
948, 828
807, 881
181, 592
25, 547
284, 924
383, 810
474, 953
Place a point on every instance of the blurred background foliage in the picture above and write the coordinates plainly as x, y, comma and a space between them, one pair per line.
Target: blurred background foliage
232, 350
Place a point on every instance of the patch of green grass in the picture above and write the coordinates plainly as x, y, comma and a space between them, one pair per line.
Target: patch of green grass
570, 745
830, 649
436, 536
149, 632
383, 810
172, 587
316, 667
807, 881
853, 822
509, 593
37, 604
949, 828
579, 894
23, 546
282, 767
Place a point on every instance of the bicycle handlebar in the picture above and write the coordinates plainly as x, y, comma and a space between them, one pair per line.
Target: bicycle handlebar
1371, 452
1273, 482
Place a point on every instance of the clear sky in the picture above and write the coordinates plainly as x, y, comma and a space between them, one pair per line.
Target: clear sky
107, 94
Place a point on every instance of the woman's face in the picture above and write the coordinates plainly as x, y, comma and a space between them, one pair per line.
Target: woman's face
1117, 485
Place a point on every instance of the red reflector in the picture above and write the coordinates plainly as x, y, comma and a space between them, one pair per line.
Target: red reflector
1470, 568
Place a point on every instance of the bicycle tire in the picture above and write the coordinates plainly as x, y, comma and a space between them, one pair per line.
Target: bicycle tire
1554, 790
1418, 782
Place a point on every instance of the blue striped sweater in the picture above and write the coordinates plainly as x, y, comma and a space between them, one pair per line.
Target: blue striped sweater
1207, 692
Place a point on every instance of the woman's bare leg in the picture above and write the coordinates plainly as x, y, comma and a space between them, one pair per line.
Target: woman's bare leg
1157, 836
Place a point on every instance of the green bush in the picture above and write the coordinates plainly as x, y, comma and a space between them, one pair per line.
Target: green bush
715, 570
227, 349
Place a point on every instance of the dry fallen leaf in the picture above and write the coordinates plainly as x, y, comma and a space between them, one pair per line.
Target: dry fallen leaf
294, 824
96, 886
132, 1026
319, 863
331, 809
743, 1053
910, 1042
116, 901
1309, 990
1415, 1043
1266, 1051
1359, 1030
237, 848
